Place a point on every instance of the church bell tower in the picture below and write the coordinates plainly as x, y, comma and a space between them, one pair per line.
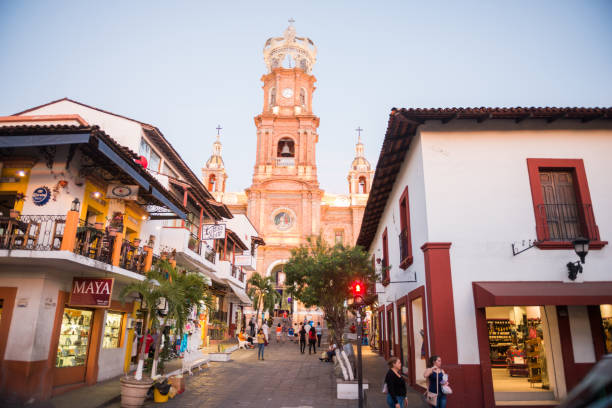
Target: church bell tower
284, 199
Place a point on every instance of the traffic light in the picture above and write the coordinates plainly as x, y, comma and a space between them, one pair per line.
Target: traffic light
358, 290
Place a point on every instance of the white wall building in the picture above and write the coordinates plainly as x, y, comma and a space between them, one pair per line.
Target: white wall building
454, 189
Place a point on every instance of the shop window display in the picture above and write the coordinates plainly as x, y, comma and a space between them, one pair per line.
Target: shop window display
518, 356
112, 330
74, 338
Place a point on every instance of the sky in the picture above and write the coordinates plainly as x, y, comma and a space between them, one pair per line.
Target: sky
188, 66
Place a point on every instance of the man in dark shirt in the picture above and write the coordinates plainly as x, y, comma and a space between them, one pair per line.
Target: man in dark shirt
302, 333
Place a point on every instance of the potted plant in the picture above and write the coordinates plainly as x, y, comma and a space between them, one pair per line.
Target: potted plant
136, 242
14, 213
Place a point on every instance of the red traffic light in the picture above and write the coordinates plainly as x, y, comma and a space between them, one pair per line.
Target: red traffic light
358, 291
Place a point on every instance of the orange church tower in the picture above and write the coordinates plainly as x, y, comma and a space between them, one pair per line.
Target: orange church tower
284, 202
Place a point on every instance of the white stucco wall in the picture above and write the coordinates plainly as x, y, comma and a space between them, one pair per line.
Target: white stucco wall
37, 293
469, 185
126, 132
411, 175
479, 198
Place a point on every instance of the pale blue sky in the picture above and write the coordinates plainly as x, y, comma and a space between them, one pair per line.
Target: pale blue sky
188, 66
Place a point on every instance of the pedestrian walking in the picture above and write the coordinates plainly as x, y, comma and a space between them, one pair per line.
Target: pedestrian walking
252, 327
284, 333
307, 327
319, 331
290, 333
312, 340
396, 386
279, 331
302, 333
437, 382
261, 343
266, 330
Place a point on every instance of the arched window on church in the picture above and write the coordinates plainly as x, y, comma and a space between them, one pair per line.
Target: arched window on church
285, 148
212, 182
362, 185
303, 97
272, 97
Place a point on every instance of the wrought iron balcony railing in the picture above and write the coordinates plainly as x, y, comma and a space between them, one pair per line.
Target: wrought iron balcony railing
32, 232
566, 222
68, 233
403, 245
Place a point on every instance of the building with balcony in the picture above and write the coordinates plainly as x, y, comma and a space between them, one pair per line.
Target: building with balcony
78, 201
470, 223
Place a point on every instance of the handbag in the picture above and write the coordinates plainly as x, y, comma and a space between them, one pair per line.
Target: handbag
385, 389
430, 397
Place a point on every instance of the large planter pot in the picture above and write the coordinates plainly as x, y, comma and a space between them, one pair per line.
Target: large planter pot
134, 392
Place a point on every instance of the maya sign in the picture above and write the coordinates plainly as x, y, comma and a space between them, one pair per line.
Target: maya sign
91, 292
213, 231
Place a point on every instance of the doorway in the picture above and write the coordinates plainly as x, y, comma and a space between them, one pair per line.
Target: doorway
73, 346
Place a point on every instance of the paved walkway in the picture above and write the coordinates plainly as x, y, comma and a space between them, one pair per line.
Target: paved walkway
285, 379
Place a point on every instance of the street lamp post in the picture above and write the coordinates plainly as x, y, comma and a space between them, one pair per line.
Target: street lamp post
359, 370
358, 290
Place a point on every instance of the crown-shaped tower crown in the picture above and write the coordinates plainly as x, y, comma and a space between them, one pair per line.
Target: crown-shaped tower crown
301, 50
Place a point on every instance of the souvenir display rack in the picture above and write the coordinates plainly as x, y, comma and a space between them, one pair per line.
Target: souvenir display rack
74, 338
500, 338
112, 330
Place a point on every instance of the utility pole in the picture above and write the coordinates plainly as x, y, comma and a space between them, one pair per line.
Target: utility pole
359, 370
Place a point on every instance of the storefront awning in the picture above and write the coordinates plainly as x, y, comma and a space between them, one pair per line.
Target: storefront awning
541, 293
240, 294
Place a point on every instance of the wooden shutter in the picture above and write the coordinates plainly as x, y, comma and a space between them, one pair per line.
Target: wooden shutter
562, 211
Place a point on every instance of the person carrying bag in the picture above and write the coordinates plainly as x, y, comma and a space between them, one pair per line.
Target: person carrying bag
436, 394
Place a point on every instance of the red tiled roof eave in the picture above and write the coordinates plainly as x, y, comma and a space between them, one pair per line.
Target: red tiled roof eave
403, 125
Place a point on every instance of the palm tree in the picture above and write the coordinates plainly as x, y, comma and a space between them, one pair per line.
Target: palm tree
262, 293
182, 291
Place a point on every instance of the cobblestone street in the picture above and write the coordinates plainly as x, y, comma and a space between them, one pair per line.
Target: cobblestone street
285, 378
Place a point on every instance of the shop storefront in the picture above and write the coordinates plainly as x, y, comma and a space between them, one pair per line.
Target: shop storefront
522, 359
73, 346
538, 340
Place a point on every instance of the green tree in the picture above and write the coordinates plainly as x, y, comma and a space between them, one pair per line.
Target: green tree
182, 292
263, 294
321, 275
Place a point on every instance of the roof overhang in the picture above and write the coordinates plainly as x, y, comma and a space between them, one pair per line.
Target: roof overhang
541, 293
240, 293
403, 125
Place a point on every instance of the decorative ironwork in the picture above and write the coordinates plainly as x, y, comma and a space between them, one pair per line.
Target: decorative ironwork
32, 232
403, 244
566, 222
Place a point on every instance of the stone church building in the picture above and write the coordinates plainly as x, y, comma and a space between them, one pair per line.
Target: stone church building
284, 202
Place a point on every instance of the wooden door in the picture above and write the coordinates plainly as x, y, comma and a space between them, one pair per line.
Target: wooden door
562, 211
390, 333
7, 302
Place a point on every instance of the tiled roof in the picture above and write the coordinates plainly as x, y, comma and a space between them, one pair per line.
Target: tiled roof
403, 124
127, 154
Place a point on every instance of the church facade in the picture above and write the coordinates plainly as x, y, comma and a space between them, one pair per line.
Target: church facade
285, 202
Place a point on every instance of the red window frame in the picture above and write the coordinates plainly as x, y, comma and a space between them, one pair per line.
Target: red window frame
386, 279
405, 226
583, 198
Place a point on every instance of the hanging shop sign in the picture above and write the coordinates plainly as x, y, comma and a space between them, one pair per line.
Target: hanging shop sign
213, 231
242, 260
122, 191
91, 292
41, 195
